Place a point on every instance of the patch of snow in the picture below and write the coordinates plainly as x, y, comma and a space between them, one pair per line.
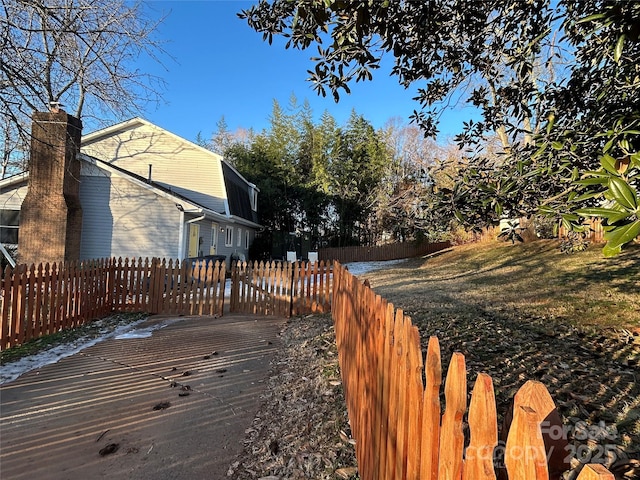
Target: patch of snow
140, 332
360, 268
12, 370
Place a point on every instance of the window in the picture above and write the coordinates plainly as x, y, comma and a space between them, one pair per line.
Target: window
239, 244
246, 239
253, 194
229, 239
9, 222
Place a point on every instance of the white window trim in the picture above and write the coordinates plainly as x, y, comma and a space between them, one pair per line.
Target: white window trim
215, 228
239, 243
228, 241
246, 239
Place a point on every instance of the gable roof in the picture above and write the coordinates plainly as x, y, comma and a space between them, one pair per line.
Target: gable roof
133, 123
236, 190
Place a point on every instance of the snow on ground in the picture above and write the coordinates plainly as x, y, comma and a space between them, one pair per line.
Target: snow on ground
13, 370
360, 268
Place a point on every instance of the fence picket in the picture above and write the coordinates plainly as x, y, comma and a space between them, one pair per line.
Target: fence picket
414, 403
401, 344
4, 311
39, 287
30, 320
535, 396
431, 412
525, 452
594, 471
451, 436
483, 426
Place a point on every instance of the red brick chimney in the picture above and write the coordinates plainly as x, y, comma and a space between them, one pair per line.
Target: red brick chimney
51, 216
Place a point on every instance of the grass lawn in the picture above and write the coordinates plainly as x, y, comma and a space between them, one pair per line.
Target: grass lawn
535, 279
527, 311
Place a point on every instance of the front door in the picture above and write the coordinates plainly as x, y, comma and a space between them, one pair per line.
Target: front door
194, 239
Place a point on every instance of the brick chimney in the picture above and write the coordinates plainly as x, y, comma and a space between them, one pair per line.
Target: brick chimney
51, 216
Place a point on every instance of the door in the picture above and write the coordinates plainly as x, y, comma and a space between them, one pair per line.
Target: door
194, 239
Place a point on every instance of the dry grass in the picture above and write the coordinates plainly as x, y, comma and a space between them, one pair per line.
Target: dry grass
534, 279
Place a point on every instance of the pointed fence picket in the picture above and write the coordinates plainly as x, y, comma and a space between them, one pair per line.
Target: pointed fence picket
393, 402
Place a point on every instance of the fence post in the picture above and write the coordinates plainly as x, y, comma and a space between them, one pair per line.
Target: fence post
291, 288
154, 292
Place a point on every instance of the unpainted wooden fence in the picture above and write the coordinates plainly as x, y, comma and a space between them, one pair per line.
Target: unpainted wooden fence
393, 251
280, 288
393, 402
42, 300
38, 301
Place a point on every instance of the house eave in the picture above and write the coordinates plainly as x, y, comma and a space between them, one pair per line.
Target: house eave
14, 179
244, 222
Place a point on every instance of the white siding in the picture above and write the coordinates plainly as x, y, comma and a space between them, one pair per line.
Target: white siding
189, 170
11, 198
121, 219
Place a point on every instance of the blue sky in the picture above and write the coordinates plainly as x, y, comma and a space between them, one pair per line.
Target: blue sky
222, 67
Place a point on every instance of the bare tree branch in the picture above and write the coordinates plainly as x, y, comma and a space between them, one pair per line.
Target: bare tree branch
81, 53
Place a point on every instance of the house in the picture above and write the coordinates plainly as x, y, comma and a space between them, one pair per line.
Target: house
133, 190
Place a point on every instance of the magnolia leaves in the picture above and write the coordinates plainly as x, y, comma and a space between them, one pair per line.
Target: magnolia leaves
620, 209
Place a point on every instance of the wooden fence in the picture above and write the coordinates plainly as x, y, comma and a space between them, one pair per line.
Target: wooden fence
42, 300
280, 288
381, 253
393, 402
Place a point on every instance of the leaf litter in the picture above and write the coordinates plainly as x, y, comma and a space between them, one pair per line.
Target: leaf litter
301, 430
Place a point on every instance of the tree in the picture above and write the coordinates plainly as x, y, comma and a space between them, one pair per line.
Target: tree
407, 182
318, 179
553, 125
222, 138
357, 173
78, 53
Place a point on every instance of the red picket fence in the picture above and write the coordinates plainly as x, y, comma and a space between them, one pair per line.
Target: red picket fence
392, 251
42, 300
393, 402
280, 288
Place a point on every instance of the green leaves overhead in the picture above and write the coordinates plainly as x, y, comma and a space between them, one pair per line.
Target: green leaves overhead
556, 83
623, 193
619, 236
